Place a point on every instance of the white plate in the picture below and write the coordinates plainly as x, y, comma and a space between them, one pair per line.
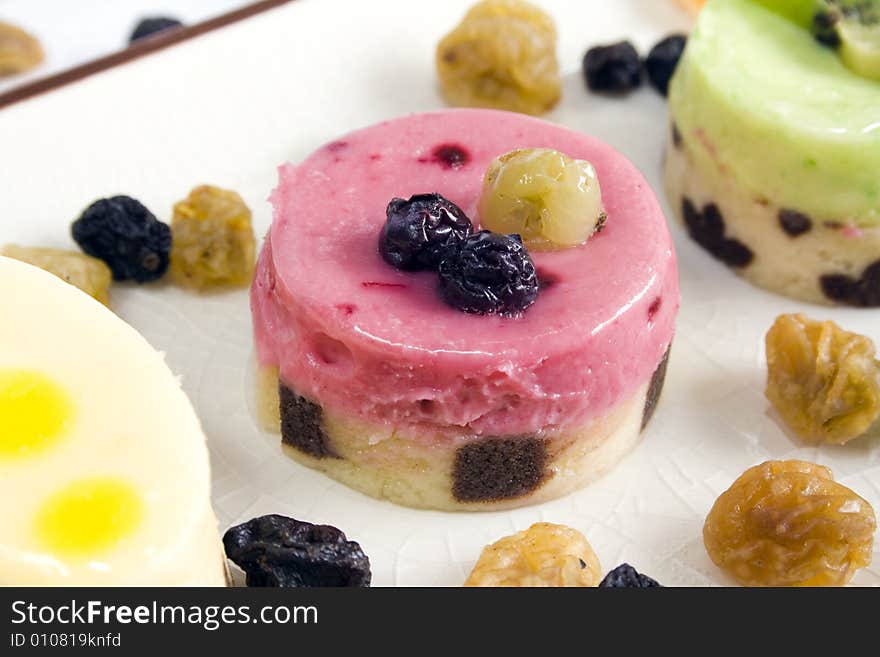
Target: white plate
75, 32
228, 107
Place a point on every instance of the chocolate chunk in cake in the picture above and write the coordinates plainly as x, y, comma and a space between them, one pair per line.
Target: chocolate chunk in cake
301, 424
654, 389
498, 468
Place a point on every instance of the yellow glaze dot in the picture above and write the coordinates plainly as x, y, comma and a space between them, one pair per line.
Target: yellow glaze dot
89, 516
34, 412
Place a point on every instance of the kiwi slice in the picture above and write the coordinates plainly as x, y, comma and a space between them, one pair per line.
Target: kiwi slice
860, 45
853, 28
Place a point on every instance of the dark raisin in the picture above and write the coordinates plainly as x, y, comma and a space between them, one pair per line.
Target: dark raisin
627, 577
615, 68
490, 273
794, 223
418, 232
128, 237
661, 62
279, 551
149, 26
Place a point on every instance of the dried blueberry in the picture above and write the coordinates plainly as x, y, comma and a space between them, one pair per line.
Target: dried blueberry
128, 237
662, 61
149, 26
794, 223
418, 232
615, 68
627, 577
490, 273
278, 551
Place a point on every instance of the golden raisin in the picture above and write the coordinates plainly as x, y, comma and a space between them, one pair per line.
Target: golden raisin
788, 523
543, 555
823, 381
501, 56
19, 51
213, 241
89, 274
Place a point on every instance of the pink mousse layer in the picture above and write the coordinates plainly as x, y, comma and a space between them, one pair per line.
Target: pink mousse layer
365, 339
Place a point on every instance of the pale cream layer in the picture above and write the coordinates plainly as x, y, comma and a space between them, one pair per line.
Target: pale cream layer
130, 422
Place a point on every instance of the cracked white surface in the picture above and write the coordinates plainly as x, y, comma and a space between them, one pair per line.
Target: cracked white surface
229, 107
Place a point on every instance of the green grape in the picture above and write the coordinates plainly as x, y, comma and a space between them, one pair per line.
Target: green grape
546, 197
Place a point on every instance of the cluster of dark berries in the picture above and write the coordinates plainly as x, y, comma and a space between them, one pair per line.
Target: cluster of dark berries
627, 577
123, 233
617, 68
278, 551
481, 273
150, 26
